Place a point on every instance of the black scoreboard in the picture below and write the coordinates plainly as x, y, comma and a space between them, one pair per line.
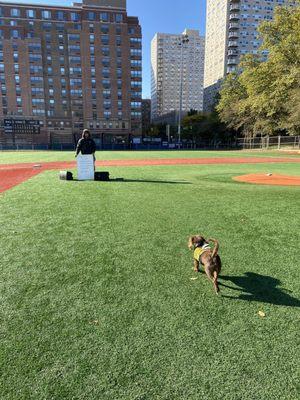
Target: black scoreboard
21, 126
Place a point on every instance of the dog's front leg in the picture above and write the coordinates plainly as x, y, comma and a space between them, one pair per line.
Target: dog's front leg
196, 265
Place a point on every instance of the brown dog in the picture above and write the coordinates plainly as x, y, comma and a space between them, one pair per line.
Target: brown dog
207, 257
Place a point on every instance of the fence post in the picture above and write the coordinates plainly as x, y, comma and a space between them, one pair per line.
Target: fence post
279, 140
268, 142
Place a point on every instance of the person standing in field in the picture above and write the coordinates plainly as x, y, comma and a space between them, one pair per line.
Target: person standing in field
86, 144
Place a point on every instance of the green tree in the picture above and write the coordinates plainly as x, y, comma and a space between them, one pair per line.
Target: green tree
263, 97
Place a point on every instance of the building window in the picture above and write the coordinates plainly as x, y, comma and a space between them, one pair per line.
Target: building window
105, 29
105, 39
119, 18
105, 72
106, 94
91, 16
30, 13
106, 62
104, 17
60, 15
47, 25
14, 34
107, 104
46, 14
105, 51
75, 17
106, 83
15, 12
92, 38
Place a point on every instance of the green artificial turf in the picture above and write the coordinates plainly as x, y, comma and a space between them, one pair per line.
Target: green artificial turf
97, 301
46, 156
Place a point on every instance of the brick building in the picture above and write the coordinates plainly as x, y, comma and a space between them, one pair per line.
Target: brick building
67, 68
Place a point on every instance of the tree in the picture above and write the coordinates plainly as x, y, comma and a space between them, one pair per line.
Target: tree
203, 126
263, 97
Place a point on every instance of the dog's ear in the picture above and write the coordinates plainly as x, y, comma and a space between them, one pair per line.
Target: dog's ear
191, 242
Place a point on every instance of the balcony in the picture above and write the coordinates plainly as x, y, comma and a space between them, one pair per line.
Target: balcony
233, 25
234, 17
232, 61
233, 35
234, 7
233, 43
231, 69
232, 53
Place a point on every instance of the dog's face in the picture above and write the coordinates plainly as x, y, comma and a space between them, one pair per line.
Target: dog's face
196, 241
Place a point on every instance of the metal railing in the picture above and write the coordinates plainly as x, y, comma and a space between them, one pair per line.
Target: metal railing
269, 142
257, 143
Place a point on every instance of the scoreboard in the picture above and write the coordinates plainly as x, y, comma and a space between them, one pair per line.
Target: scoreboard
21, 126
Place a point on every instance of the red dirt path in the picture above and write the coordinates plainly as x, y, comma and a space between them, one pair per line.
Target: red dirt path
266, 179
14, 174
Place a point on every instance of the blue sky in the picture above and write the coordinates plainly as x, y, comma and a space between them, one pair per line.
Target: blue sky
167, 16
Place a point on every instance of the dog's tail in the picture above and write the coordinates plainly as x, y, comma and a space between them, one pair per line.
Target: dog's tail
216, 248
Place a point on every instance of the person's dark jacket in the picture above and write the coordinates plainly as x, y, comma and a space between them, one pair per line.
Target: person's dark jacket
86, 146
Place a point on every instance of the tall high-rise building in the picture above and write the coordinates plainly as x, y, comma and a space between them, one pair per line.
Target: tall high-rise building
176, 60
231, 31
67, 68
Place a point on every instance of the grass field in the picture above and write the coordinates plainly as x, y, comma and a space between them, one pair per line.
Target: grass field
97, 301
45, 156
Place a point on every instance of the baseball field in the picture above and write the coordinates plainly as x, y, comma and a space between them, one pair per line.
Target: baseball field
98, 298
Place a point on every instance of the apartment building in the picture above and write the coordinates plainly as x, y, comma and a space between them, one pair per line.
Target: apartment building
63, 69
177, 69
231, 32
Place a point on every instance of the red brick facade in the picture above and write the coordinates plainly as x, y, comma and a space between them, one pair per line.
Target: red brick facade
70, 68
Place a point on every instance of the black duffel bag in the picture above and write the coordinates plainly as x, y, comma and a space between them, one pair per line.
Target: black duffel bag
101, 176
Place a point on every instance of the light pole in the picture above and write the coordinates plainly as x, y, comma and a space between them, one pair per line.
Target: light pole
181, 42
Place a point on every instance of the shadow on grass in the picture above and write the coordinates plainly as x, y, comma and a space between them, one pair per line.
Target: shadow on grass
136, 181
261, 288
149, 181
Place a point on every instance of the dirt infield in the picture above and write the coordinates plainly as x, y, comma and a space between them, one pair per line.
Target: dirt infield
269, 179
12, 177
14, 174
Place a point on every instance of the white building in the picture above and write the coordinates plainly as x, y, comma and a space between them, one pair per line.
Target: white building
231, 31
172, 63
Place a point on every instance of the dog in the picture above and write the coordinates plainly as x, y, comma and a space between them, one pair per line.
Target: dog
206, 256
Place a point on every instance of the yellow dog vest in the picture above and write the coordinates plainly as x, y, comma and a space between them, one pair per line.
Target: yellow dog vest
199, 251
